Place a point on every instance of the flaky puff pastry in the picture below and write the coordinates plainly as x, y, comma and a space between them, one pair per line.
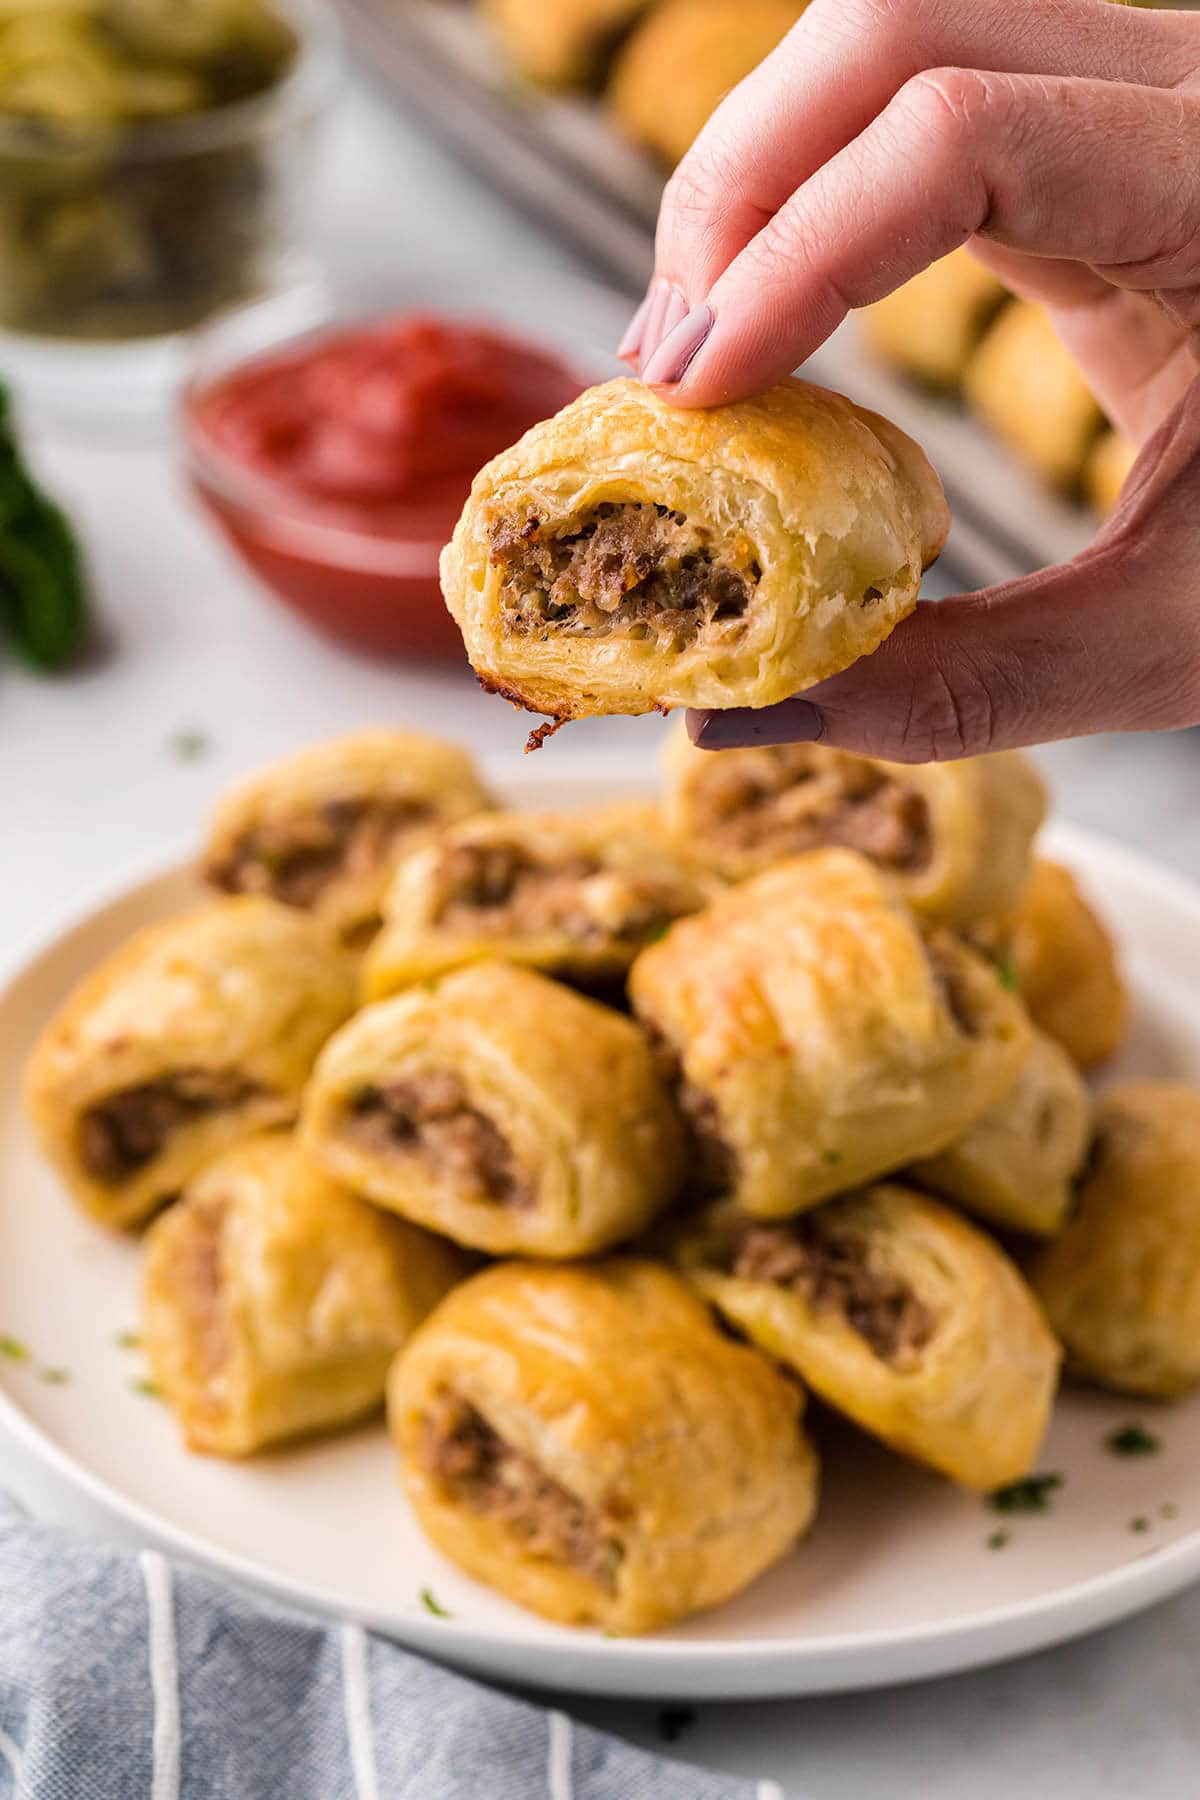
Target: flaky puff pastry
898, 1312
562, 43
683, 58
931, 327
586, 1441
195, 1035
1122, 1283
1026, 386
325, 829
574, 894
955, 837
501, 1109
627, 555
820, 1038
273, 1300
1066, 966
1015, 1166
1107, 469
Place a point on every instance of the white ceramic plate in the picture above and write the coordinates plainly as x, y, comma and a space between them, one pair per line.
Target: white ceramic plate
896, 1581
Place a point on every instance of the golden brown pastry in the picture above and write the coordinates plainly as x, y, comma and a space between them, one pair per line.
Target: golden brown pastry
1107, 468
683, 58
955, 837
1026, 386
931, 327
901, 1314
576, 895
1066, 967
274, 1300
562, 43
586, 1441
627, 555
195, 1035
819, 1037
502, 1110
1122, 1282
326, 828
1014, 1167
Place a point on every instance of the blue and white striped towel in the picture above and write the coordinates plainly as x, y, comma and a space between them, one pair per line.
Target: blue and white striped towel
124, 1677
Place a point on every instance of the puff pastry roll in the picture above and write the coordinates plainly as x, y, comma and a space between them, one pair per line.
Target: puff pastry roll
586, 1441
1015, 1166
195, 1035
704, 48
325, 829
274, 1301
931, 327
1026, 386
902, 1315
562, 43
1066, 966
627, 555
502, 1110
1122, 1282
1107, 469
574, 894
955, 837
817, 1038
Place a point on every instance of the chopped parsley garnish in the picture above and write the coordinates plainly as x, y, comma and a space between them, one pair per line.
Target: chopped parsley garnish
1168, 1510
126, 1340
1006, 975
1141, 1523
433, 1606
1132, 1440
189, 746
673, 1721
832, 1157
657, 933
999, 1540
13, 1348
146, 1387
55, 1377
1032, 1495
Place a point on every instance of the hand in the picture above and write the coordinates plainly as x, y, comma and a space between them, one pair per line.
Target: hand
1061, 140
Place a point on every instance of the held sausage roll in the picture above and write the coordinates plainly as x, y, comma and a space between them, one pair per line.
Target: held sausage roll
931, 326
195, 1035
899, 1313
817, 1038
1026, 386
1066, 967
562, 43
576, 895
274, 1301
1122, 1282
627, 555
502, 1110
586, 1441
325, 829
955, 837
1014, 1167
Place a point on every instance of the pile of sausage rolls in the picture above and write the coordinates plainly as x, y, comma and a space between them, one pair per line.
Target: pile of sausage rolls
609, 1149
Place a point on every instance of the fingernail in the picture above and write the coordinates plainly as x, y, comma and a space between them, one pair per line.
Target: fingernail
652, 329
628, 347
670, 362
793, 722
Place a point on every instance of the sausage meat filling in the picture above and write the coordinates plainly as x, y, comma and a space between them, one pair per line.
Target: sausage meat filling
477, 1469
786, 800
500, 890
834, 1271
430, 1115
715, 1160
295, 860
120, 1135
639, 569
198, 1290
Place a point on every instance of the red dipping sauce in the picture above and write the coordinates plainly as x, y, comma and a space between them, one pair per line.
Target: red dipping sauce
338, 466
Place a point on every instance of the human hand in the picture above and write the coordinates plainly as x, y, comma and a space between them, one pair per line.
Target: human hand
1061, 140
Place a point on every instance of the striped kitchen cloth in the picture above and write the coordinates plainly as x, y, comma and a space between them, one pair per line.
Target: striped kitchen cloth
126, 1677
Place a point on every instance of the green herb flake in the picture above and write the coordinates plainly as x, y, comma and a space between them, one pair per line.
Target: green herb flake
1032, 1495
144, 1386
189, 746
126, 1340
999, 1540
1141, 1523
432, 1605
1132, 1440
13, 1348
1168, 1510
657, 933
1006, 975
54, 1377
831, 1157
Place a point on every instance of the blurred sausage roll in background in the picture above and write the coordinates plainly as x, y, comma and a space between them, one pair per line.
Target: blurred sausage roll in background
1065, 964
1026, 386
562, 43
931, 326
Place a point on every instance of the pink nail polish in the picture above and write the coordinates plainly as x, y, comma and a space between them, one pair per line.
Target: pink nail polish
629, 345
677, 350
660, 293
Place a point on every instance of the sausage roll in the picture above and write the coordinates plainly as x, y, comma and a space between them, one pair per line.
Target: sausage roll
707, 46
562, 43
274, 1301
586, 1441
1014, 1166
1107, 468
817, 1038
1066, 967
1025, 385
501, 1109
325, 829
1122, 1282
576, 895
931, 327
898, 1312
193, 1036
955, 837
627, 555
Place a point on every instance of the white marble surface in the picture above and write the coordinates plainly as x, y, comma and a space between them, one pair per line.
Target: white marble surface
89, 784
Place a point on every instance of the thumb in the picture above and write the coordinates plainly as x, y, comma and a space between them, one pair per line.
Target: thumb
1107, 642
